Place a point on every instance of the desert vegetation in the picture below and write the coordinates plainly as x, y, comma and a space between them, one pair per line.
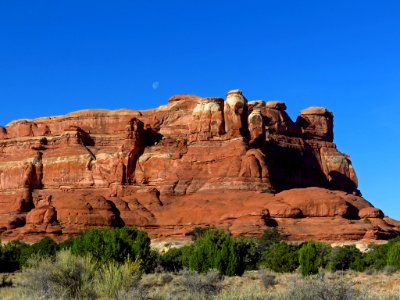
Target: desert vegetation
118, 263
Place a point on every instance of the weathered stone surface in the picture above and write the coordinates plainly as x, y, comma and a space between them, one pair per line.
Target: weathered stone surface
193, 162
235, 114
208, 120
42, 215
277, 121
3, 133
278, 105
255, 104
370, 212
256, 127
315, 110
316, 123
184, 97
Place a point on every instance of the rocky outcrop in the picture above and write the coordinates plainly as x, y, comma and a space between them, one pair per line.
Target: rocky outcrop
316, 123
235, 114
207, 120
235, 164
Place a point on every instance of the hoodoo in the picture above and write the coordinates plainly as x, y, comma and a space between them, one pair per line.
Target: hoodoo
235, 164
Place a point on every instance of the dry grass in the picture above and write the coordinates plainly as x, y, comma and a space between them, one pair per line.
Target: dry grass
377, 285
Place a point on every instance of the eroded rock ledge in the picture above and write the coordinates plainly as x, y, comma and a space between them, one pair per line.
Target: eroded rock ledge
236, 164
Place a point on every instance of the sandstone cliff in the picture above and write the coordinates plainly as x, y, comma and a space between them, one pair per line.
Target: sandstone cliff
235, 164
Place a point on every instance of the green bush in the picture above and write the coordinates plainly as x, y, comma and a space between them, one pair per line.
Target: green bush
393, 255
116, 244
152, 261
46, 247
281, 257
375, 257
67, 244
217, 250
249, 253
312, 256
271, 236
10, 254
171, 261
198, 232
346, 257
15, 254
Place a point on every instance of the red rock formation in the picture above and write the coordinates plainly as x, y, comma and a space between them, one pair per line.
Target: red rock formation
207, 120
235, 113
193, 162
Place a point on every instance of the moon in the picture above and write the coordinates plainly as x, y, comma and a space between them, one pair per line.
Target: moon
155, 85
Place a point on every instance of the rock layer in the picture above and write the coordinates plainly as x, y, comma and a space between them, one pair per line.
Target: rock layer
236, 164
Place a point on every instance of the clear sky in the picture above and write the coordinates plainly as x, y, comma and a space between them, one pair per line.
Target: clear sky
61, 56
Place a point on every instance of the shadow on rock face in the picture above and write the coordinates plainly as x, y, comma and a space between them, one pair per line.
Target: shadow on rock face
293, 167
270, 222
341, 182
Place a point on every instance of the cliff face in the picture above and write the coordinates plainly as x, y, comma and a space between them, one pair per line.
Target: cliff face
193, 162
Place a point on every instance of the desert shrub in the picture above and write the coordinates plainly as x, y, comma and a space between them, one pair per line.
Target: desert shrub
375, 257
5, 281
116, 244
281, 257
114, 280
11, 256
359, 263
78, 277
367, 221
206, 285
313, 256
152, 262
249, 254
393, 255
370, 272
267, 278
270, 237
318, 288
389, 270
136, 293
198, 232
251, 291
217, 250
186, 254
171, 261
65, 277
46, 247
67, 244
346, 257
166, 278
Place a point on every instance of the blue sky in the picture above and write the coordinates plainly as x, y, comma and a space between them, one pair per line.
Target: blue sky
61, 56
